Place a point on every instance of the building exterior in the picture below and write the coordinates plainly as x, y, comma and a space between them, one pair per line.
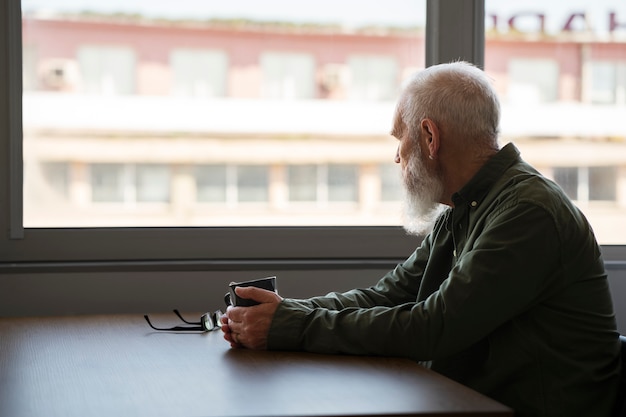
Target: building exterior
141, 122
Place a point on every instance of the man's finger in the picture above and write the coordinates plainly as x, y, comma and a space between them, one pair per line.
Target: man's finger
257, 294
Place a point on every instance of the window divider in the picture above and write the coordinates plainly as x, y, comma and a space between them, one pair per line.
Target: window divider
11, 119
465, 42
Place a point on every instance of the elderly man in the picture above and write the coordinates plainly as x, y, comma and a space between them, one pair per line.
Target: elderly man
507, 293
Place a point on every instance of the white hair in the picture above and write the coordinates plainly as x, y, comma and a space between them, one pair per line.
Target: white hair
459, 98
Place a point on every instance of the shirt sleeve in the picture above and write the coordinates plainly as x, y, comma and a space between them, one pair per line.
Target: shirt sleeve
510, 267
399, 286
396, 287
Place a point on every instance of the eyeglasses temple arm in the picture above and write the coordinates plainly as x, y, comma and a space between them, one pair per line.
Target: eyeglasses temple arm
176, 328
181, 317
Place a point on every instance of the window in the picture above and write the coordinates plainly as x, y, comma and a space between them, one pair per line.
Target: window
342, 183
323, 183
58, 177
226, 103
587, 184
373, 77
608, 82
567, 178
232, 184
199, 73
128, 107
602, 183
211, 183
560, 71
117, 183
107, 183
287, 75
303, 182
533, 80
152, 183
105, 70
252, 183
390, 182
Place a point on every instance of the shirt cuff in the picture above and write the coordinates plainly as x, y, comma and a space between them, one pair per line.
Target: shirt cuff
286, 328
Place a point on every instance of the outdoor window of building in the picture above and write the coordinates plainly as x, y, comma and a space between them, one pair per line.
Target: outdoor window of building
58, 174
117, 183
252, 183
211, 183
302, 182
602, 184
343, 183
241, 107
567, 178
108, 183
533, 80
608, 82
152, 182
373, 77
287, 75
587, 184
104, 70
561, 76
323, 183
390, 186
199, 73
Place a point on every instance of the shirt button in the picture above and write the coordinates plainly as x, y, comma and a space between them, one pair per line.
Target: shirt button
473, 203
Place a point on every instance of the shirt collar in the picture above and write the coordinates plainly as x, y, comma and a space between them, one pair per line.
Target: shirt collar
476, 189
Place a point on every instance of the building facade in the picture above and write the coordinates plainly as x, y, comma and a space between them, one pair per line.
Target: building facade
134, 122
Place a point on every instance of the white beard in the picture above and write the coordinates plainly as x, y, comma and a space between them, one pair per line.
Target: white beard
422, 191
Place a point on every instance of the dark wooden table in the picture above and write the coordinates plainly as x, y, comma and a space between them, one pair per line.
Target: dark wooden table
92, 366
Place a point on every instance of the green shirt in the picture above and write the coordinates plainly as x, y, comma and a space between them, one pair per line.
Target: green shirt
507, 295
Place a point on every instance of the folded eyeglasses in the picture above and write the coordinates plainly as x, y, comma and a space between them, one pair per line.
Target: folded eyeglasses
207, 323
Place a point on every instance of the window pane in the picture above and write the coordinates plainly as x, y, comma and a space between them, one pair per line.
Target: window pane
287, 76
153, 183
567, 178
343, 183
302, 182
57, 175
211, 183
533, 80
252, 183
608, 82
29, 68
107, 182
390, 182
373, 77
603, 82
560, 73
602, 183
199, 73
229, 103
105, 70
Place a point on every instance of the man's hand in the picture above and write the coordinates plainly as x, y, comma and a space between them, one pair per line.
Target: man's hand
248, 326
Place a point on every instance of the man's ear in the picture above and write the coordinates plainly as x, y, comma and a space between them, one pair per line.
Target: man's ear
430, 135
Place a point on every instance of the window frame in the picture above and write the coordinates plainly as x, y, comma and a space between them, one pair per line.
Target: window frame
216, 248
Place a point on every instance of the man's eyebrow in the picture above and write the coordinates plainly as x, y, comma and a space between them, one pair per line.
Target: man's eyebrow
397, 129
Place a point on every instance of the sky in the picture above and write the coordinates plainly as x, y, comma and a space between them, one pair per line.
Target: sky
403, 12
345, 12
